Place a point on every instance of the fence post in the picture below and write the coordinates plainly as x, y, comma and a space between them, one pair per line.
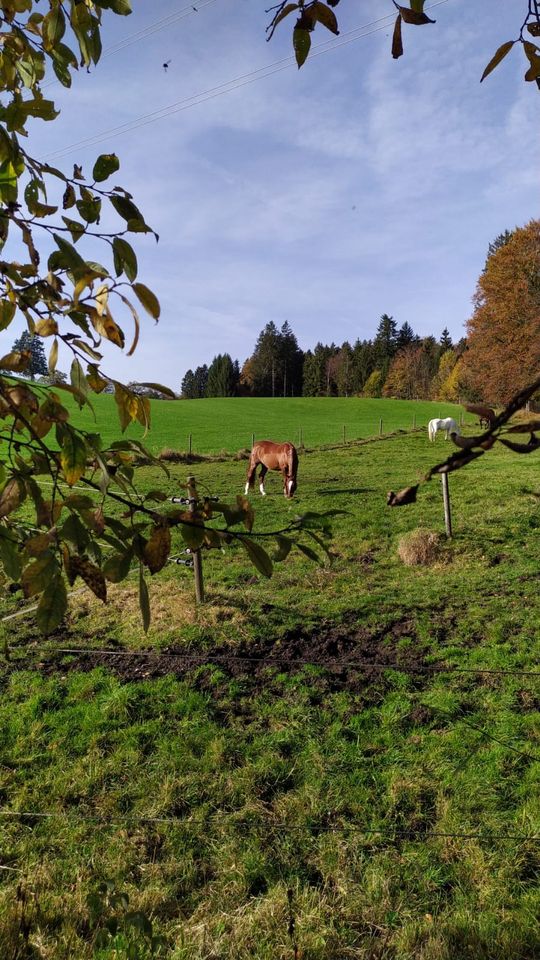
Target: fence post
190, 439
344, 441
197, 559
301, 439
414, 421
446, 502
252, 440
380, 427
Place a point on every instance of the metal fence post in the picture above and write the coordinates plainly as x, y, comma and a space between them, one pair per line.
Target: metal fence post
197, 559
446, 502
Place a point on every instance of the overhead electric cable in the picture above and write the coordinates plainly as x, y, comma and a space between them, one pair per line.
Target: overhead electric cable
148, 31
226, 87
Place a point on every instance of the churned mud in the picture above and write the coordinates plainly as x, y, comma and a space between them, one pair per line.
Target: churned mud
347, 655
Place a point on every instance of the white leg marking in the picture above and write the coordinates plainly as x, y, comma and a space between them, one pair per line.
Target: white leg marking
246, 491
261, 488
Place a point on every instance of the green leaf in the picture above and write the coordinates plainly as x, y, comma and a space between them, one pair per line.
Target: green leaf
125, 260
70, 257
8, 182
7, 312
10, 555
122, 7
259, 557
54, 27
75, 228
72, 455
52, 605
78, 379
117, 566
126, 208
105, 164
148, 299
144, 600
301, 44
307, 551
193, 536
284, 546
38, 574
159, 386
497, 57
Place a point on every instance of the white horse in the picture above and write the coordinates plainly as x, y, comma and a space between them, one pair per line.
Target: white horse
448, 425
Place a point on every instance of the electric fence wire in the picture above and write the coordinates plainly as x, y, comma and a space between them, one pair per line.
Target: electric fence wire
155, 27
318, 827
227, 87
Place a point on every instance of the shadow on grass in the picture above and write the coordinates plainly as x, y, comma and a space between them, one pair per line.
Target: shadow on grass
351, 490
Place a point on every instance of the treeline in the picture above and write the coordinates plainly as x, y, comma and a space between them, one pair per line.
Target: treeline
395, 363
499, 356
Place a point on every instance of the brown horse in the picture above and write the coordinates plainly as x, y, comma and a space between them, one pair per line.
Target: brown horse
486, 415
273, 456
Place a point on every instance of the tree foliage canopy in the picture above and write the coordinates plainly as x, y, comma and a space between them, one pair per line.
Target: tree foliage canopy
504, 331
310, 15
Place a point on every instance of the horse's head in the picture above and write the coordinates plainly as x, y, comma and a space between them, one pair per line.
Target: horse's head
289, 486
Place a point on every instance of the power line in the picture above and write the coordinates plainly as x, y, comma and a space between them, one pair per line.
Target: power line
227, 87
147, 31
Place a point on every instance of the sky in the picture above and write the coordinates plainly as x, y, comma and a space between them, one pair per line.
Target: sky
324, 197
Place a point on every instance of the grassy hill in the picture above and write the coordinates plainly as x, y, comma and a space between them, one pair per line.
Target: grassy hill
228, 423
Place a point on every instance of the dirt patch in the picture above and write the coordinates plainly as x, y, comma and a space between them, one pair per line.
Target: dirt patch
349, 655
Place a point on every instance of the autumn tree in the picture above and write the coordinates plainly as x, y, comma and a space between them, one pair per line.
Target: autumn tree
374, 384
504, 331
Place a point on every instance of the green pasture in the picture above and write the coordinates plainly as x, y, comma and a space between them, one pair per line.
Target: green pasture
228, 423
371, 792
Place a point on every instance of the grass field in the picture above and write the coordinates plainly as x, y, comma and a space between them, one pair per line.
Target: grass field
228, 424
340, 762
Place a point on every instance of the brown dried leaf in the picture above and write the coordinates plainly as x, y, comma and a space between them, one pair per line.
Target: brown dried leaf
157, 549
397, 40
400, 499
92, 576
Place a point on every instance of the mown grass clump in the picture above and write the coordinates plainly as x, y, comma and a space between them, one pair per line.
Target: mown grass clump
420, 548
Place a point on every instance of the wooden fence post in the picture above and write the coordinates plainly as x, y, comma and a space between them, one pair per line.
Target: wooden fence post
190, 439
301, 439
446, 502
380, 427
197, 559
252, 440
344, 441
414, 422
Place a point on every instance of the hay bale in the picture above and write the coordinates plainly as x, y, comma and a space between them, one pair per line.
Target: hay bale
420, 548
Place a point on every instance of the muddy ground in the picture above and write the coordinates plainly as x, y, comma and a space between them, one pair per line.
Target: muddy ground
347, 655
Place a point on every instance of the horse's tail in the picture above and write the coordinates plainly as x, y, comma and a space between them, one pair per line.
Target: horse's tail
292, 469
430, 431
